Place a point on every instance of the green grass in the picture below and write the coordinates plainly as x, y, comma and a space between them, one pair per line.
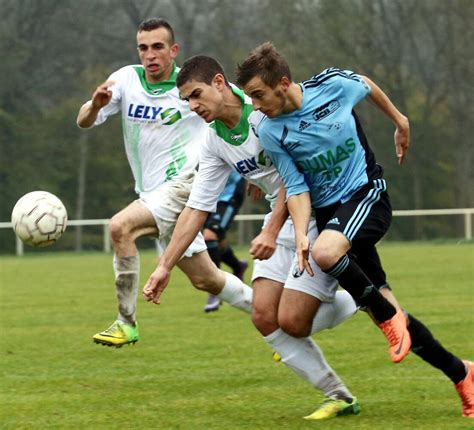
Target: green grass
196, 371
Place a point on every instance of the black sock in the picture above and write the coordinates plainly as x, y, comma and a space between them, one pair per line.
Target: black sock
214, 251
358, 285
228, 257
429, 349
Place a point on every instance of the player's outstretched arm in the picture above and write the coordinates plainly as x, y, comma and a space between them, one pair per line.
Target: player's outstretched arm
402, 130
264, 245
187, 227
299, 206
89, 111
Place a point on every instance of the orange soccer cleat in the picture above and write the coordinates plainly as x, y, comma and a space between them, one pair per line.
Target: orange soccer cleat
465, 389
399, 339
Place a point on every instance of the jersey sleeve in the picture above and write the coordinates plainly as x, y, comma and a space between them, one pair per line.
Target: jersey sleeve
293, 179
354, 86
115, 103
210, 180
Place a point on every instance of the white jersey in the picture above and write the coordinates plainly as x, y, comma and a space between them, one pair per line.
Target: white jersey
225, 150
162, 135
239, 149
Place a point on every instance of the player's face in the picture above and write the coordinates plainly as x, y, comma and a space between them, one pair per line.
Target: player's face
206, 100
156, 53
268, 100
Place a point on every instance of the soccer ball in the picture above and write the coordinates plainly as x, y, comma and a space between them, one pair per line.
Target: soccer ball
39, 218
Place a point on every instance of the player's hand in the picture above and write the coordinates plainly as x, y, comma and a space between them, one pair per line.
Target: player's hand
255, 192
263, 246
402, 140
303, 249
156, 284
102, 95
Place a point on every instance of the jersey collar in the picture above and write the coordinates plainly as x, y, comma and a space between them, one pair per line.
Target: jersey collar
160, 87
238, 135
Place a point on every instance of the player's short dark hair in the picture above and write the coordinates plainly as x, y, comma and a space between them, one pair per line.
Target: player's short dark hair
265, 62
200, 68
154, 23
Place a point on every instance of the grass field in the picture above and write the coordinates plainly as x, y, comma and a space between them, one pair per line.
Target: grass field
196, 371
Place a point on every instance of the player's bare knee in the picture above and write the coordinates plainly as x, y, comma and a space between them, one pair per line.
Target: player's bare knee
120, 231
200, 283
294, 326
325, 256
264, 321
116, 230
210, 284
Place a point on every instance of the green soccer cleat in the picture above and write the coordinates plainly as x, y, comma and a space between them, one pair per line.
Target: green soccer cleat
118, 334
331, 408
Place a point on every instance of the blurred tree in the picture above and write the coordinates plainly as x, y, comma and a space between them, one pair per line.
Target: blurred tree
54, 54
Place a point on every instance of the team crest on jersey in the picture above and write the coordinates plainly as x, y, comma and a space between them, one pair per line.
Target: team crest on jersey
326, 109
335, 128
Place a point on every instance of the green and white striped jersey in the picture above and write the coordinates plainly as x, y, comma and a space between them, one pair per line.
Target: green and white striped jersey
162, 135
237, 149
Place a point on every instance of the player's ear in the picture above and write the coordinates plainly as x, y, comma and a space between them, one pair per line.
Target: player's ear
285, 83
174, 49
219, 81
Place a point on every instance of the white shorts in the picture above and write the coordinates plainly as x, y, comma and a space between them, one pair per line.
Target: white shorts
165, 204
282, 266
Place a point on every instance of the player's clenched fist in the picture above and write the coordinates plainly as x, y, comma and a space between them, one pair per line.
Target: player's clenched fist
155, 285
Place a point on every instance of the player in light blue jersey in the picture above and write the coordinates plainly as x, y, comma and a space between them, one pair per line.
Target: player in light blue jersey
313, 136
217, 225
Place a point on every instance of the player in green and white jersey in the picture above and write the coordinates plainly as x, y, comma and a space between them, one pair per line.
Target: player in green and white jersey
162, 140
287, 307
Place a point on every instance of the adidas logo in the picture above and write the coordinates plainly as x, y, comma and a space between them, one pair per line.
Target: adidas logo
303, 125
334, 221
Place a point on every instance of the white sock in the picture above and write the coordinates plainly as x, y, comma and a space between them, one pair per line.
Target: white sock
236, 293
127, 273
304, 357
330, 315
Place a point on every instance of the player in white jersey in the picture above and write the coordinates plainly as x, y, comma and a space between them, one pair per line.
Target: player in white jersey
284, 303
162, 140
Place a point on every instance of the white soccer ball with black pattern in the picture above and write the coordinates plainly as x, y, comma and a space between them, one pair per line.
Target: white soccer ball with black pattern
39, 218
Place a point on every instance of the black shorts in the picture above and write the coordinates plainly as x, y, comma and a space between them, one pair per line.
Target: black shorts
220, 221
369, 261
364, 219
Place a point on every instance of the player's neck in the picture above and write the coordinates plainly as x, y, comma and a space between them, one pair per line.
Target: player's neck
232, 110
294, 98
164, 76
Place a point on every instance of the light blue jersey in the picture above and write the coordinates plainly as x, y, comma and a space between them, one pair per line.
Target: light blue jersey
321, 147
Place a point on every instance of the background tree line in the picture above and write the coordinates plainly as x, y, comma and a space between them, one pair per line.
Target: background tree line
54, 54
